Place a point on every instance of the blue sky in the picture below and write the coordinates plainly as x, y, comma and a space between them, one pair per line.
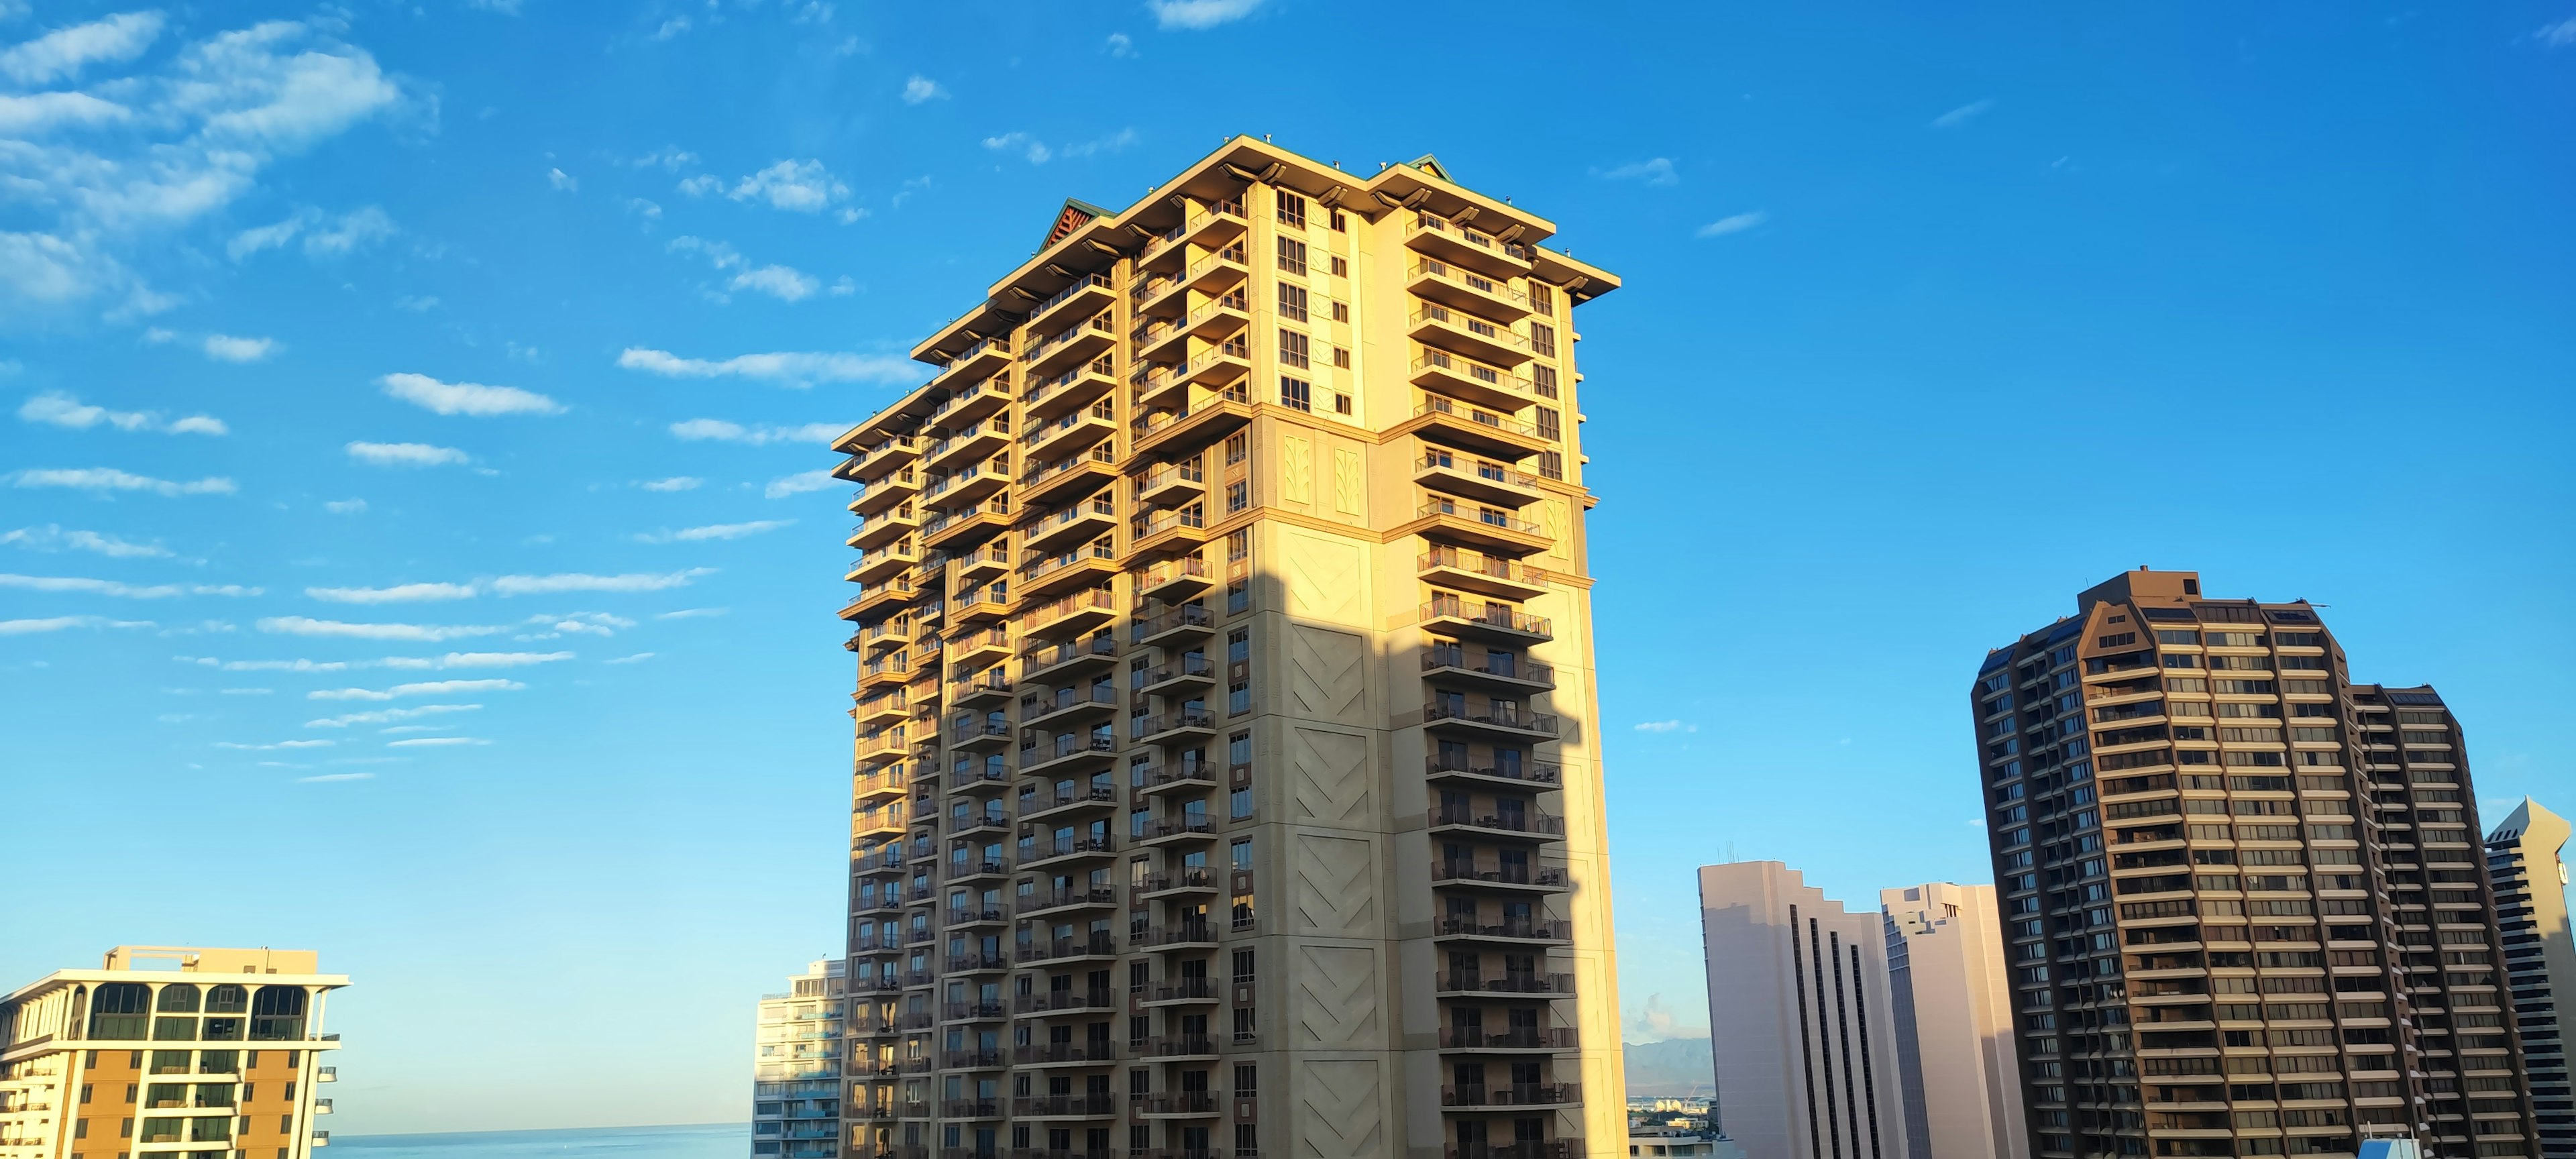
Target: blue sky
414, 548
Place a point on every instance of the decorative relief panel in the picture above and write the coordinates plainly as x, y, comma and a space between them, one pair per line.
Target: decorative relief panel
1337, 998
1341, 1113
1326, 677
1332, 777
1296, 469
1336, 886
1347, 481
1324, 579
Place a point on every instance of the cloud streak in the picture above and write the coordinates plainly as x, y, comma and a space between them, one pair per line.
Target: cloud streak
405, 454
55, 408
796, 369
466, 398
100, 587
1960, 116
714, 531
108, 479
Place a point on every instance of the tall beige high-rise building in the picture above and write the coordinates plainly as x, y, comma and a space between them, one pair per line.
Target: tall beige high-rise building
1227, 776
1801, 1021
1954, 1029
2244, 911
168, 1052
796, 1066
2524, 862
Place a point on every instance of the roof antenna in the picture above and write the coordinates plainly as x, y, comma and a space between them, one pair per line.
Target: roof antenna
1265, 138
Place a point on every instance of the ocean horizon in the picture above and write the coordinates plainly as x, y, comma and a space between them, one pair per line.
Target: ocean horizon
672, 1141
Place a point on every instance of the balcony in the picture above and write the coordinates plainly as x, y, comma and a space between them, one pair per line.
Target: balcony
1503, 720
887, 858
1466, 334
1084, 1106
1056, 480
971, 482
1182, 1104
1064, 753
885, 563
1571, 1148
1218, 223
1098, 945
1077, 345
1215, 273
1064, 1001
1180, 1046
1173, 580
1537, 776
1069, 705
1511, 1097
1528, 824
1171, 484
886, 672
1068, 657
1156, 530
972, 403
1078, 522
977, 868
1492, 575
1162, 778
973, 444
887, 492
878, 711
978, 689
1167, 339
1448, 615
1493, 530
1448, 241
1466, 289
1523, 932
1073, 433
1499, 878
968, 1108
1098, 1052
1070, 615
878, 598
1186, 620
1176, 432
1065, 900
1088, 566
1450, 422
1083, 299
959, 529
979, 648
1060, 854
1073, 804
1191, 831
877, 462
1069, 390
1174, 727
1188, 670
979, 607
1476, 479
980, 360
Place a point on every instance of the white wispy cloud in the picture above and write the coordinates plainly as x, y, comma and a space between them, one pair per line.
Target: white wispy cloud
345, 506
429, 633
1665, 726
390, 715
1963, 114
101, 587
55, 408
1112, 143
561, 181
674, 483
422, 688
66, 623
334, 778
786, 283
105, 479
671, 28
434, 742
798, 186
397, 594
1199, 14
2559, 35
324, 236
799, 483
466, 398
718, 430
416, 303
1652, 171
921, 88
533, 585
637, 658
1022, 144
1119, 44
284, 744
450, 660
53, 537
227, 348
405, 454
796, 369
1737, 223
584, 624
64, 52
714, 531
690, 614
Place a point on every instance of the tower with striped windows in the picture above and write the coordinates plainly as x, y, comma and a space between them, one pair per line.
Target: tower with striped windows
1226, 775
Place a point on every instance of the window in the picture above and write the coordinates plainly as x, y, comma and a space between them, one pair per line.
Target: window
1551, 464
1293, 349
1238, 646
1238, 804
1341, 402
1342, 358
1238, 495
1243, 1024
1236, 447
1292, 209
1341, 309
1296, 392
1542, 339
1238, 545
1292, 256
1542, 297
1137, 822
1239, 854
1238, 698
1339, 223
1238, 596
1292, 301
1341, 268
1243, 965
1548, 424
1543, 379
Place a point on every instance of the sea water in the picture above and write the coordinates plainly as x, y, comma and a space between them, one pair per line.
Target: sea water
695, 1141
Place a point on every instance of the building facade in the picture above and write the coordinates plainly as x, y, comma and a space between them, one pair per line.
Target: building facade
1225, 775
796, 1066
2525, 867
2243, 911
1802, 1026
202, 1054
1953, 1014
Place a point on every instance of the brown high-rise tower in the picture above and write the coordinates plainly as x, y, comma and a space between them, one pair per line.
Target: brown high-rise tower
2244, 910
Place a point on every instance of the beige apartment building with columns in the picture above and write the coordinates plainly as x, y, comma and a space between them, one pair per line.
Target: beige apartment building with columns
1954, 1029
1227, 776
168, 1052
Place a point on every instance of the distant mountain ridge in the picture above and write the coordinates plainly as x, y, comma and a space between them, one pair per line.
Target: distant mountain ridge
1673, 1068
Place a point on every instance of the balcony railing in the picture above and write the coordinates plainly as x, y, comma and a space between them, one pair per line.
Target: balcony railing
1525, 928
1433, 223
1066, 294
1186, 616
1493, 615
1442, 405
1527, 822
1153, 726
1091, 945
1540, 875
1505, 666
1054, 1001
1498, 335
1499, 716
1489, 516
1058, 899
1036, 659
1512, 1038
1511, 1095
1558, 985
1185, 934
1099, 323
1489, 472
1153, 523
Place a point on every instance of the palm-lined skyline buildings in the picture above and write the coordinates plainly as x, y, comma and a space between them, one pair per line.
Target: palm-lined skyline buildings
1227, 768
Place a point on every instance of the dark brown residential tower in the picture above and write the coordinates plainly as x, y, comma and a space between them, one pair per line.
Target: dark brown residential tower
2243, 907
